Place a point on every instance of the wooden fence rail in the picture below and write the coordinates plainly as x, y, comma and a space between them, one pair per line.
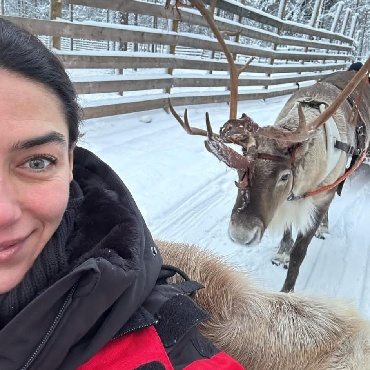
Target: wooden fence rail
289, 55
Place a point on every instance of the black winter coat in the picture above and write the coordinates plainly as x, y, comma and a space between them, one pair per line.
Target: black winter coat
114, 285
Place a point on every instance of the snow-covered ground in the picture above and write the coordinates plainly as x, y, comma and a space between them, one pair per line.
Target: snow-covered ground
186, 195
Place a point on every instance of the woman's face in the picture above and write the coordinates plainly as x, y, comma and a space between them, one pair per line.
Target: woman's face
35, 172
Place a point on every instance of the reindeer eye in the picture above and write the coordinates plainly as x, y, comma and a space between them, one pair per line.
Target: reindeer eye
285, 177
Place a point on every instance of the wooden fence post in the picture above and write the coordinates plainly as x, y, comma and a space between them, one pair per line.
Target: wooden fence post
175, 28
136, 45
345, 21
337, 15
314, 16
237, 36
281, 13
360, 50
123, 19
56, 12
315, 12
71, 18
153, 46
353, 25
122, 46
336, 20
212, 9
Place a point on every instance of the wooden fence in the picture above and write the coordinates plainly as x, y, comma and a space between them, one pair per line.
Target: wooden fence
191, 68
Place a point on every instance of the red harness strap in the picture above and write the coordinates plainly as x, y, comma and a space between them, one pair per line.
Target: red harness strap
338, 181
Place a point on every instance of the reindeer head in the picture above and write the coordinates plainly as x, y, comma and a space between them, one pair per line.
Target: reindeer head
261, 159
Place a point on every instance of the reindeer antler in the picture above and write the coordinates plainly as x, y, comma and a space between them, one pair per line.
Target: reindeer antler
216, 143
229, 156
299, 135
186, 126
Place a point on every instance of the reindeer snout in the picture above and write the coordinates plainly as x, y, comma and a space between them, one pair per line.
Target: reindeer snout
246, 233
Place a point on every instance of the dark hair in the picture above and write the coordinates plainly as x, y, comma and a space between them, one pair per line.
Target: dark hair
24, 54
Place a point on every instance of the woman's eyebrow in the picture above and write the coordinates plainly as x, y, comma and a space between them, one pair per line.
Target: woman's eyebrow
51, 137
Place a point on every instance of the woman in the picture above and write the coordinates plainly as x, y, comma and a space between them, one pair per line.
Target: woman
82, 284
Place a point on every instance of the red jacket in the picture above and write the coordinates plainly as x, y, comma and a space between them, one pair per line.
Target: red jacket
144, 347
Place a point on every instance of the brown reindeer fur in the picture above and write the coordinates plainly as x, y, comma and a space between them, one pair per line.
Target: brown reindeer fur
266, 330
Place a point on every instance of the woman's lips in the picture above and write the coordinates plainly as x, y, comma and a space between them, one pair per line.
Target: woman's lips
9, 249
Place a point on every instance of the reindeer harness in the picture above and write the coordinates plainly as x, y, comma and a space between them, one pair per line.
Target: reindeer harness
335, 148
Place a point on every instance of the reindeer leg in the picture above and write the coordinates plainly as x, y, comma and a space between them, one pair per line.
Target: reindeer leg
285, 248
323, 228
301, 244
296, 258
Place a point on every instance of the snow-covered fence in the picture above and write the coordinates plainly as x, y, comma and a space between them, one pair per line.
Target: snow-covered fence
190, 67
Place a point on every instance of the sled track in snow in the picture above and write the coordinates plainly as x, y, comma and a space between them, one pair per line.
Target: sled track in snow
201, 208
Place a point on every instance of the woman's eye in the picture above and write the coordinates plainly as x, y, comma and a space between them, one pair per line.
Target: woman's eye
39, 163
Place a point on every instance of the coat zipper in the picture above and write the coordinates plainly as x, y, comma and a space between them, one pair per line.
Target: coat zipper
136, 328
50, 331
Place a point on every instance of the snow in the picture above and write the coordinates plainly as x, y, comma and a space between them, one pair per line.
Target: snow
185, 194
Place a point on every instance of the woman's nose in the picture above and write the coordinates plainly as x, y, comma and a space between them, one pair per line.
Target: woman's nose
10, 210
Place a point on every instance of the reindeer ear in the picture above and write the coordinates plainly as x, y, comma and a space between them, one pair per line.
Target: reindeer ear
289, 135
284, 146
295, 151
292, 148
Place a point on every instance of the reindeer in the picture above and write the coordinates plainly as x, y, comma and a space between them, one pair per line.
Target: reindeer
289, 172
340, 80
266, 330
